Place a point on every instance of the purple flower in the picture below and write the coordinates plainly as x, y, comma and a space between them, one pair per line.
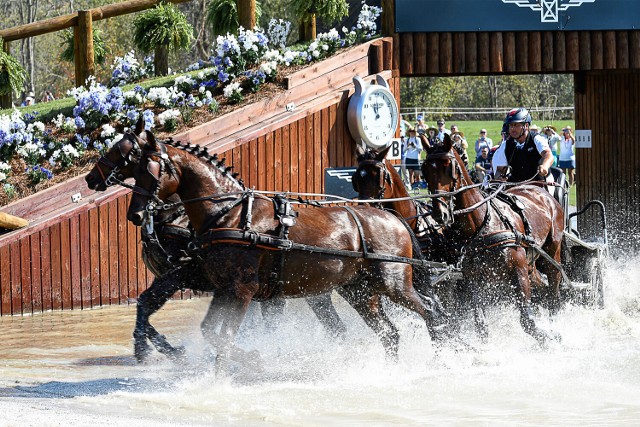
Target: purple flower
79, 122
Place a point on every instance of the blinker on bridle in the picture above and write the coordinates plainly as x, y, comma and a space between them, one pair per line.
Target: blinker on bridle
384, 176
114, 176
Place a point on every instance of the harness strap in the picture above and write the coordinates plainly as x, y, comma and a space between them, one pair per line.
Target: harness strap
365, 252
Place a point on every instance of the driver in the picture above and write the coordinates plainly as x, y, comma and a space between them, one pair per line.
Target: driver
526, 153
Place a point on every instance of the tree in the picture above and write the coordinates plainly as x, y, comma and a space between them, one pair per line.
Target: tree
328, 11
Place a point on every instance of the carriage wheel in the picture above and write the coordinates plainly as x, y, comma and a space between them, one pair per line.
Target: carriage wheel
597, 284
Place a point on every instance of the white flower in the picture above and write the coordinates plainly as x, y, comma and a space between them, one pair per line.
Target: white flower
107, 131
3, 176
168, 115
231, 89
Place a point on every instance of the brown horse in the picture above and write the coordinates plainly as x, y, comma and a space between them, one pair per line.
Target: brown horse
165, 246
254, 247
501, 246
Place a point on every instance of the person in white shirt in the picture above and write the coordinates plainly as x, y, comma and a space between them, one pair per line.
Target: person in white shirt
567, 159
554, 139
413, 148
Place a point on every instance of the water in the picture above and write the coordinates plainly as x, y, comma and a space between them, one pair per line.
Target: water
76, 368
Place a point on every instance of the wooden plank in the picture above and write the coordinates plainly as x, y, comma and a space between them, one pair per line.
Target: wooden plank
471, 52
95, 234
327, 66
105, 262
65, 264
387, 53
406, 54
547, 51
496, 51
559, 51
36, 279
269, 160
433, 57
262, 158
16, 279
253, 172
609, 45
419, 59
45, 265
522, 56
56, 268
341, 115
622, 49
76, 282
25, 275
634, 48
114, 286
85, 259
134, 262
286, 158
573, 50
535, 51
294, 147
446, 53
584, 39
5, 281
302, 153
278, 170
458, 53
324, 148
333, 132
123, 248
509, 42
483, 52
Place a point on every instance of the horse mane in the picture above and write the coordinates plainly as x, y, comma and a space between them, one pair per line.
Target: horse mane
203, 153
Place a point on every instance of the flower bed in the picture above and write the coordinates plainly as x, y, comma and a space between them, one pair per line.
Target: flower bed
34, 155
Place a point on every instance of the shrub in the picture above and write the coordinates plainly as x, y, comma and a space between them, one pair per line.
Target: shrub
12, 74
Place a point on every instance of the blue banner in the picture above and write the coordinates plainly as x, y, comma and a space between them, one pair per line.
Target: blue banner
427, 16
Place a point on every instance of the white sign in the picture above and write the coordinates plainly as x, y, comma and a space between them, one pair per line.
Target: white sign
583, 138
395, 153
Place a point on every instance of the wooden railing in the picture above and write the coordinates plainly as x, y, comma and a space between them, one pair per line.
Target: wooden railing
82, 24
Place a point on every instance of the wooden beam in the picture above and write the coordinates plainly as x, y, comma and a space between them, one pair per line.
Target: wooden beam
67, 21
83, 47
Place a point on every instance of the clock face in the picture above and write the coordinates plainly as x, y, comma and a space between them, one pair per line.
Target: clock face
379, 117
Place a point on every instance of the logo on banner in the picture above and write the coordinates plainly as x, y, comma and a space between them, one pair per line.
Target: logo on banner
548, 8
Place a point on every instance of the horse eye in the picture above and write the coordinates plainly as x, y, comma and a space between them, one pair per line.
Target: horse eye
363, 173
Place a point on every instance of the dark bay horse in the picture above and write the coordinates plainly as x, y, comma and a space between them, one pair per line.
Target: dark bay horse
500, 244
165, 244
255, 247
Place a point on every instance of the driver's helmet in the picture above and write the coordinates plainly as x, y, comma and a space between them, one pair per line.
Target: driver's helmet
517, 115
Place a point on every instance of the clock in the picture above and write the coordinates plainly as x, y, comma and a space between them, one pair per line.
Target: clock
372, 114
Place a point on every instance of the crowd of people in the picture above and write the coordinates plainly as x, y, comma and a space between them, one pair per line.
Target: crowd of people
524, 152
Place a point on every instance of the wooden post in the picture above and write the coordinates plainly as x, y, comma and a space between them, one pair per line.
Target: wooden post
83, 47
246, 13
308, 28
388, 23
11, 222
5, 100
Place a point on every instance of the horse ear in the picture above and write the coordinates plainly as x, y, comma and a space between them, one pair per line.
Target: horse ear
151, 139
139, 126
448, 143
360, 152
381, 155
425, 143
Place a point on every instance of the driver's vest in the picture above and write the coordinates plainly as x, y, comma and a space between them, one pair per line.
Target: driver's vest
524, 161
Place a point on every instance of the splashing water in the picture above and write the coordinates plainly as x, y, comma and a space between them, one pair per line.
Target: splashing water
76, 368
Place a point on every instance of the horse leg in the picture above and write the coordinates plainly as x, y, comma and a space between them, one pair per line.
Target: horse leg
554, 277
369, 307
149, 302
271, 309
326, 313
477, 303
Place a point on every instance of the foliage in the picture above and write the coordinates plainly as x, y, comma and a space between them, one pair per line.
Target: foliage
327, 10
12, 74
222, 16
163, 25
100, 49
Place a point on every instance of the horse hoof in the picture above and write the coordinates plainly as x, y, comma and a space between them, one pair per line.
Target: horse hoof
178, 354
141, 351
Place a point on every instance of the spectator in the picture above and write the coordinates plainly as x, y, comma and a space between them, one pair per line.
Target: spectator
460, 144
567, 159
442, 130
554, 139
412, 157
421, 126
432, 136
403, 156
483, 165
483, 141
47, 96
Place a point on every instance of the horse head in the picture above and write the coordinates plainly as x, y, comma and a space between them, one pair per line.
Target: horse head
371, 178
118, 163
156, 180
443, 172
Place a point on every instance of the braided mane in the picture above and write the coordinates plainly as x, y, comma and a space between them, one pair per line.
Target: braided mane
203, 153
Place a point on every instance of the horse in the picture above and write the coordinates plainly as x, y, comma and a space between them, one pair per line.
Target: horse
500, 244
165, 244
257, 247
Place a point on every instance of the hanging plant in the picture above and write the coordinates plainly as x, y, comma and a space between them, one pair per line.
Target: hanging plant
163, 25
100, 49
162, 29
12, 74
222, 16
329, 11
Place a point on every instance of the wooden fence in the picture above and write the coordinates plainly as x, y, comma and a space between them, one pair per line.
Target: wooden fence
83, 255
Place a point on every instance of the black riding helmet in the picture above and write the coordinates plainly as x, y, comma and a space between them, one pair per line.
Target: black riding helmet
517, 115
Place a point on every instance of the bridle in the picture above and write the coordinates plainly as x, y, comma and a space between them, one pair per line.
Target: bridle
384, 176
455, 171
115, 177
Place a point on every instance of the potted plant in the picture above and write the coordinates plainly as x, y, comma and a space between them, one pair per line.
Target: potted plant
100, 49
162, 29
12, 76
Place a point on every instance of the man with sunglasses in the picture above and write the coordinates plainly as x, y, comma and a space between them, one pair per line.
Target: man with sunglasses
525, 154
